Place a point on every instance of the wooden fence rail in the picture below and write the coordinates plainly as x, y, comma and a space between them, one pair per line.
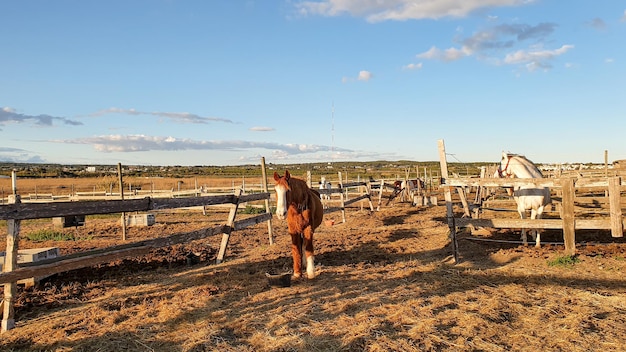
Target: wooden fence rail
16, 212
343, 190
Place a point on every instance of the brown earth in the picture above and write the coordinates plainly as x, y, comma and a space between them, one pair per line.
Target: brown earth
386, 281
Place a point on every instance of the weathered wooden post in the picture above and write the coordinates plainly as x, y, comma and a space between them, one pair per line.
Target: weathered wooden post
443, 162
10, 263
343, 199
267, 201
229, 227
617, 225
119, 176
567, 215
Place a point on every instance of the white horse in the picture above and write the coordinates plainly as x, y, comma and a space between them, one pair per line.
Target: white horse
409, 187
325, 185
527, 197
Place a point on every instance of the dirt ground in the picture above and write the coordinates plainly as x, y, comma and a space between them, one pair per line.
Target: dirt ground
386, 281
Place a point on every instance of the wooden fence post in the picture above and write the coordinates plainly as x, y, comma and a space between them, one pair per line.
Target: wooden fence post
380, 193
343, 206
229, 228
267, 201
10, 263
567, 214
443, 162
123, 219
617, 227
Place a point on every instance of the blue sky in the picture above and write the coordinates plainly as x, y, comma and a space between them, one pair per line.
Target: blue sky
169, 82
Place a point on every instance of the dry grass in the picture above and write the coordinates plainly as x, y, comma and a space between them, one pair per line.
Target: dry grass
385, 283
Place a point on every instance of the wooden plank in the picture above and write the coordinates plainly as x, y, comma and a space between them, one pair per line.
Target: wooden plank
617, 230
567, 214
24, 211
242, 224
497, 182
511, 182
102, 255
461, 192
579, 224
348, 202
353, 184
332, 209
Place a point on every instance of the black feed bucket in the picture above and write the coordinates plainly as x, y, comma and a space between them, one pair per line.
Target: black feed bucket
279, 280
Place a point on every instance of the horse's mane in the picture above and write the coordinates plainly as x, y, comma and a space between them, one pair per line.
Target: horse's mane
299, 190
524, 168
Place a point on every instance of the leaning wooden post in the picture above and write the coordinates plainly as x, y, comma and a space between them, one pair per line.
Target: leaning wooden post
567, 215
230, 225
267, 201
10, 263
617, 225
119, 177
443, 162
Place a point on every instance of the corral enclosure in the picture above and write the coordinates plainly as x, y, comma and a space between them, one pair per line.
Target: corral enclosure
386, 281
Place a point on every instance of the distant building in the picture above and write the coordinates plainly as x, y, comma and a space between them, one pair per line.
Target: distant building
90, 169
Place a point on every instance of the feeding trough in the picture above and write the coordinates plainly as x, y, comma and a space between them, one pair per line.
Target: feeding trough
279, 280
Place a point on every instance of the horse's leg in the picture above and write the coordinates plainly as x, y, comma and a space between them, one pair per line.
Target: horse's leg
522, 214
296, 253
308, 251
536, 214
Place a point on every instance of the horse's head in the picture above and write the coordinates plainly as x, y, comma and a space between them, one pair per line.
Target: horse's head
503, 168
282, 187
516, 165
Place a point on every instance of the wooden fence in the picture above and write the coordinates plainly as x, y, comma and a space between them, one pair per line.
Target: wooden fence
17, 211
577, 202
344, 190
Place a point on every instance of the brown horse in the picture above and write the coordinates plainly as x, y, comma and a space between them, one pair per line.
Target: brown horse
302, 207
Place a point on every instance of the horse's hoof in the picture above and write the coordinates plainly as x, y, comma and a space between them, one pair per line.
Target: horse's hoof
296, 276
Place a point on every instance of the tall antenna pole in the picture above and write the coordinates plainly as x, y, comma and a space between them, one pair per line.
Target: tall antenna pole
332, 131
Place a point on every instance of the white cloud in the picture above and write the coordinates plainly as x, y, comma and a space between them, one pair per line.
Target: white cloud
262, 129
364, 76
417, 66
17, 155
597, 23
400, 10
181, 117
9, 115
488, 45
142, 143
537, 59
623, 19
451, 54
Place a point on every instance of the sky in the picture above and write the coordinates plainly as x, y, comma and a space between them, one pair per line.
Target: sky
196, 82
